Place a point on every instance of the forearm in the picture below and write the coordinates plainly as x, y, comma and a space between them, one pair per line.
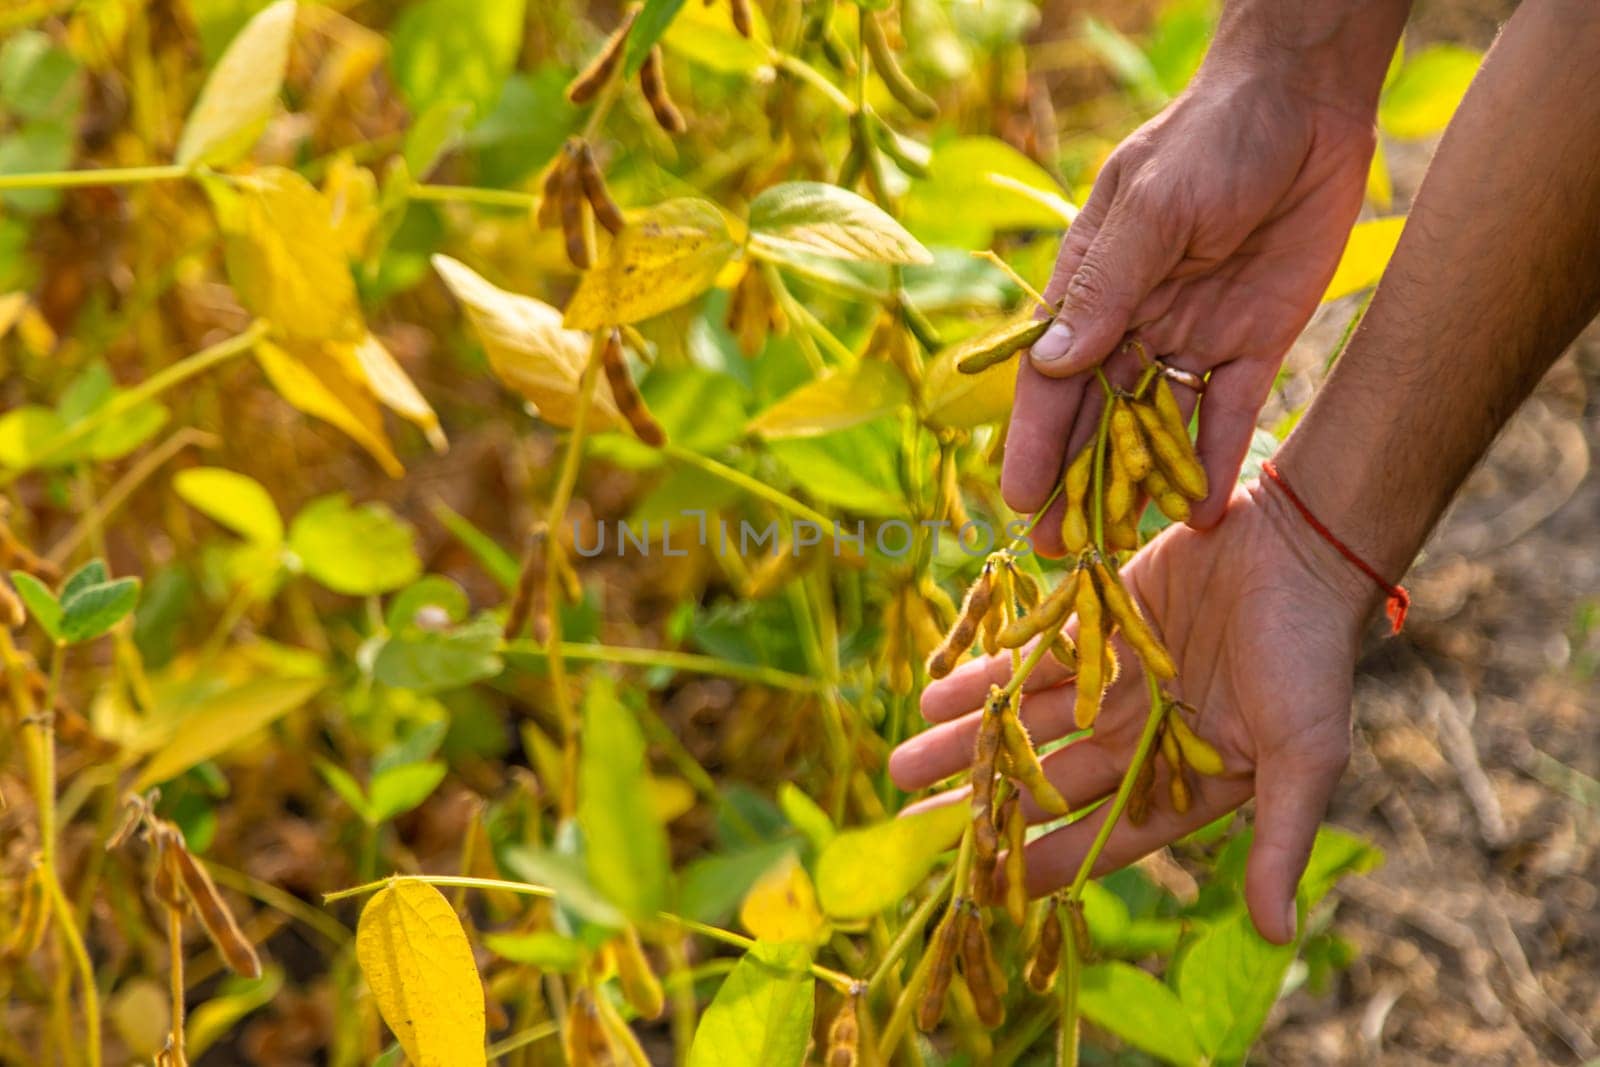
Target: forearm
1496, 272
1336, 51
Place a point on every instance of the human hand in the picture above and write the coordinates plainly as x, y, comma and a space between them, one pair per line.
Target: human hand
1210, 236
1263, 620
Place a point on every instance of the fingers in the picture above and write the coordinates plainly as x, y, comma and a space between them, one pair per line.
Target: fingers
1233, 399
1082, 772
1127, 259
1041, 417
1293, 786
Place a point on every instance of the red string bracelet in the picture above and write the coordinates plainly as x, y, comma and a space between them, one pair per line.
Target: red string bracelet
1399, 601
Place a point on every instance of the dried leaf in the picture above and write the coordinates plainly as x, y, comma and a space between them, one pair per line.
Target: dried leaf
668, 254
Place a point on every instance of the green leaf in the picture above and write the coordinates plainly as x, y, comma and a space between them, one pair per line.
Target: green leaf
42, 605
234, 500
1426, 91
241, 92
455, 50
625, 843
397, 790
93, 572
652, 22
1230, 978
431, 662
221, 721
1127, 62
666, 256
825, 220
227, 1006
1334, 855
37, 79
1137, 1007
436, 131
712, 886
46, 145
130, 429
432, 591
855, 469
26, 433
544, 949
561, 874
1366, 255
345, 784
91, 611
357, 551
977, 185
861, 872
761, 1017
500, 564
806, 815
837, 401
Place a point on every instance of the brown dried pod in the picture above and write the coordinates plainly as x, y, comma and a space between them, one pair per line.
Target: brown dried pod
985, 980
844, 1033
593, 77
1046, 958
941, 966
653, 83
626, 394
577, 225
585, 1036
214, 914
1143, 793
606, 211
985, 835
1081, 939
973, 609
551, 191
1016, 864
742, 20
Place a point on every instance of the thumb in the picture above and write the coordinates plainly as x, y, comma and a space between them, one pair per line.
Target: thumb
1293, 786
1126, 260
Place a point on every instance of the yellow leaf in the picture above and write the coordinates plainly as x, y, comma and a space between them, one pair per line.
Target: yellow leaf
782, 905
863, 871
284, 257
1366, 255
417, 961
316, 379
1380, 186
528, 348
219, 722
670, 797
1426, 91
352, 195
836, 401
369, 360
668, 254
242, 90
953, 400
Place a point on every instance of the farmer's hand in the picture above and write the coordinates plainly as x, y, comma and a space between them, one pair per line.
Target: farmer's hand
1262, 618
1210, 235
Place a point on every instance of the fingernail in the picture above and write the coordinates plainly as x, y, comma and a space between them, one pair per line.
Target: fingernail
1291, 920
1055, 343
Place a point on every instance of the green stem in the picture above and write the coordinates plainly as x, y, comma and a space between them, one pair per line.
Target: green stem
1067, 1035
73, 179
689, 662
1147, 740
908, 933
780, 500
1102, 437
527, 1037
151, 387
812, 77
838, 979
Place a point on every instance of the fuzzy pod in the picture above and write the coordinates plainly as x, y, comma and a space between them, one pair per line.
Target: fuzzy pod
640, 986
1173, 504
1136, 629
1049, 614
985, 757
1081, 939
1016, 862
1026, 768
1178, 787
1045, 959
1128, 442
844, 1034
1065, 653
1119, 489
606, 211
592, 78
577, 227
989, 633
214, 914
942, 965
1001, 344
653, 83
1075, 519
1091, 650
1173, 451
1027, 589
1197, 751
979, 597
985, 980
1170, 751
1123, 535
894, 78
1075, 527
626, 394
1143, 793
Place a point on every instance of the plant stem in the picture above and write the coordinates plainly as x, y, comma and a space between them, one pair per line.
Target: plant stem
1147, 741
525, 888
72, 179
150, 388
1101, 439
1067, 987
782, 501
909, 931
175, 978
679, 661
838, 979
554, 558
527, 1037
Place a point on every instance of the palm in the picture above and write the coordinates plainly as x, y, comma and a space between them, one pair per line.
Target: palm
1264, 651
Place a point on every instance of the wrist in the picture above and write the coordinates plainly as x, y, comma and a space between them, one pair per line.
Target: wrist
1335, 54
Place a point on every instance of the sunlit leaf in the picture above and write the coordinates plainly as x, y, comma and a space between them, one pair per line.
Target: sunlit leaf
668, 254
455, 50
625, 843
431, 662
43, 608
762, 1013
315, 377
219, 722
953, 400
782, 905
822, 219
544, 949
357, 551
241, 91
396, 790
1366, 256
1380, 184
529, 349
975, 186
284, 257
855, 468
25, 434
836, 401
561, 874
1126, 61
1229, 980
235, 500
1426, 91
805, 815
1138, 1008
419, 966
394, 388
704, 35
863, 871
